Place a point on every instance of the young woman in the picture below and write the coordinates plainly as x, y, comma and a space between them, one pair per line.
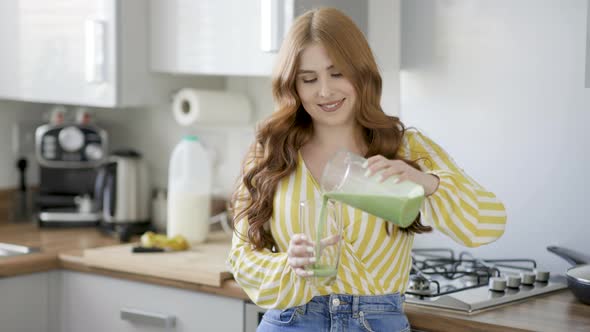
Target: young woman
327, 91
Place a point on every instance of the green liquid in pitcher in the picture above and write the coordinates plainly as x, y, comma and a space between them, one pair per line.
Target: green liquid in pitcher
399, 210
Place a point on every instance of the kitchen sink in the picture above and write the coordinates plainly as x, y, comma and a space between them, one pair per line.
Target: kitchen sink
9, 249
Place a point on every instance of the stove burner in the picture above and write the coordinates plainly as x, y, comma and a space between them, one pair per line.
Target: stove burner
419, 284
467, 284
461, 272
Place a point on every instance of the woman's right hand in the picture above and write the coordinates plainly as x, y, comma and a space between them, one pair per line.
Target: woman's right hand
300, 254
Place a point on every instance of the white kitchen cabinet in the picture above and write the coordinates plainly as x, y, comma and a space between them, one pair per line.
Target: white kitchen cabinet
9, 56
92, 53
24, 303
588, 46
228, 37
89, 302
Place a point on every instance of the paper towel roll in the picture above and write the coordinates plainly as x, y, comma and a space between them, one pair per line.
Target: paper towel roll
192, 106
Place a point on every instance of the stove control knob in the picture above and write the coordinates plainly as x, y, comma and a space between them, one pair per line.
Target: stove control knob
528, 278
542, 276
497, 284
513, 281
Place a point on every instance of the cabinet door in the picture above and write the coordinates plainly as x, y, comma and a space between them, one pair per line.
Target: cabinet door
66, 51
24, 303
9, 80
228, 37
208, 37
588, 47
96, 303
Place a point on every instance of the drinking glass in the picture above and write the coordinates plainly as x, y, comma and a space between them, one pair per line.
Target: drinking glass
324, 229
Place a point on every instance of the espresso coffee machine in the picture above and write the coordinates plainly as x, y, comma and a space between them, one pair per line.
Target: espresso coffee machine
69, 157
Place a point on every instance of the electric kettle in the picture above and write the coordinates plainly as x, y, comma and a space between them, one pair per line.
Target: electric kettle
122, 190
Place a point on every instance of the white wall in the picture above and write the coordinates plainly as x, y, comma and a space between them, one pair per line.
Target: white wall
384, 38
500, 85
258, 89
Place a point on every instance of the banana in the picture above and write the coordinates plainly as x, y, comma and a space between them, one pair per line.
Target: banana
151, 240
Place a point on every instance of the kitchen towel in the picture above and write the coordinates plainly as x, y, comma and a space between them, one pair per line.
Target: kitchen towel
191, 106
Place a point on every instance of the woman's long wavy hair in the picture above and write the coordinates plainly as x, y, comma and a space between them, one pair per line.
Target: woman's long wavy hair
274, 154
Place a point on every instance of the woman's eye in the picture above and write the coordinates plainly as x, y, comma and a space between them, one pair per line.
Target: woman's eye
336, 75
309, 80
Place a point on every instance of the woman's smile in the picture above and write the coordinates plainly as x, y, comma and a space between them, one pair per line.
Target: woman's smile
332, 106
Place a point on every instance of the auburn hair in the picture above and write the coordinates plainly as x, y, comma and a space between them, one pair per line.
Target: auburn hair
274, 153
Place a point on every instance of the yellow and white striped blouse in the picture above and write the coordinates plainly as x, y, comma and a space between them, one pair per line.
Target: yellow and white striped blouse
372, 262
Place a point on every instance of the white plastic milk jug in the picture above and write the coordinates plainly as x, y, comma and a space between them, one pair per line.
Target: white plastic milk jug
189, 191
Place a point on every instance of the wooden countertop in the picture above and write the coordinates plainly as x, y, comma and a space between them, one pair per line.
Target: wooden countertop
50, 241
558, 311
72, 260
63, 248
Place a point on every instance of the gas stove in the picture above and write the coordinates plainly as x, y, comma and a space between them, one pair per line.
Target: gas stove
467, 284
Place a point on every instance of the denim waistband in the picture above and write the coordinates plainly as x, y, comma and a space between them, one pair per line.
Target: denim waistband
353, 304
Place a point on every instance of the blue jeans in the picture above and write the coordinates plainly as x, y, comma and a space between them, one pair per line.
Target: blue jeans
335, 313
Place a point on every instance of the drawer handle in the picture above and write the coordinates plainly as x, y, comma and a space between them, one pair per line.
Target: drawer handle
148, 318
95, 50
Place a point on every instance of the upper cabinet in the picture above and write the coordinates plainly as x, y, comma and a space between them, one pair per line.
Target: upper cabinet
9, 56
92, 53
228, 37
588, 46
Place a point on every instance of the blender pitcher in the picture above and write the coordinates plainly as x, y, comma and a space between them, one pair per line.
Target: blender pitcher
345, 179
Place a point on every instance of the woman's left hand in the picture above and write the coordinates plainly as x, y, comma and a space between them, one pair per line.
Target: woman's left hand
403, 171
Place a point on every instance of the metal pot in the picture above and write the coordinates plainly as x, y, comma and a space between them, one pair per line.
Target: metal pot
578, 277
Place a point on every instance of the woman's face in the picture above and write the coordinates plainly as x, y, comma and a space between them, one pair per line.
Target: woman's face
325, 93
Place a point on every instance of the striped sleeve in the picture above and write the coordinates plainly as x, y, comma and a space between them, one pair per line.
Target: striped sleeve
460, 207
264, 275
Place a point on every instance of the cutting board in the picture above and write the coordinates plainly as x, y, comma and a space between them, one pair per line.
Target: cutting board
202, 263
